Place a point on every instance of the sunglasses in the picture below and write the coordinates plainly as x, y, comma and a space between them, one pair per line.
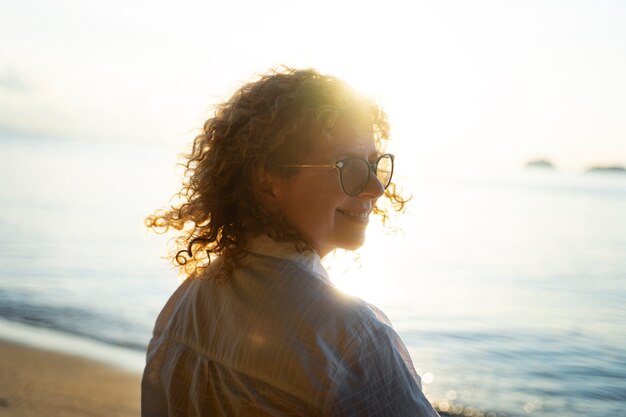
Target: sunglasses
354, 173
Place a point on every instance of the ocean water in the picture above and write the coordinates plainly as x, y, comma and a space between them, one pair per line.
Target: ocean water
509, 290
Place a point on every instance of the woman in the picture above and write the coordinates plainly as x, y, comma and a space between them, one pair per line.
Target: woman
288, 170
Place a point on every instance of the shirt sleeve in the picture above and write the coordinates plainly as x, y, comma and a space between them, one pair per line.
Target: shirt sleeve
373, 379
398, 343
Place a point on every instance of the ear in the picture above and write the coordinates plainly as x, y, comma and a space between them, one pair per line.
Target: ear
267, 190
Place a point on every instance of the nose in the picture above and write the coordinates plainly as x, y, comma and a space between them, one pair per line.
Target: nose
374, 188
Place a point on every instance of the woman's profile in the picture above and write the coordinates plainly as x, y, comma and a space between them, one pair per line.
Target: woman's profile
287, 170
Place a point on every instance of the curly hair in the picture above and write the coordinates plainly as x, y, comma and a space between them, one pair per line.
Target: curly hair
265, 123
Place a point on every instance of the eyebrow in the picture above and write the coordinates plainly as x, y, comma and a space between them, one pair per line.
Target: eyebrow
339, 155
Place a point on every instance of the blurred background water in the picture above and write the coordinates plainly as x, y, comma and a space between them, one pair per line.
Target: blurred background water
509, 289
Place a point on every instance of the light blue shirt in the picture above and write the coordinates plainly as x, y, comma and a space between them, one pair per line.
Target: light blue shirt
276, 339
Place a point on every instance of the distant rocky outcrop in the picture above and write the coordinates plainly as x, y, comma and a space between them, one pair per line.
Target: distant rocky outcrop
539, 163
610, 168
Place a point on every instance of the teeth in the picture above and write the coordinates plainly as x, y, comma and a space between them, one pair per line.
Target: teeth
360, 216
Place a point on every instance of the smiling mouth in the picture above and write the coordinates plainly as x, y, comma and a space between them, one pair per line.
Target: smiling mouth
360, 216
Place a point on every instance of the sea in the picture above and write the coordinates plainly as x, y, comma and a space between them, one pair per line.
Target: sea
509, 289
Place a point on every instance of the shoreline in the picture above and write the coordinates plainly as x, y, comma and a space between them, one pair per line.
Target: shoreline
48, 372
51, 340
38, 382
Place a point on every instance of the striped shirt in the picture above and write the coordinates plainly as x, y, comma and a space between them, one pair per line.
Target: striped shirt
276, 339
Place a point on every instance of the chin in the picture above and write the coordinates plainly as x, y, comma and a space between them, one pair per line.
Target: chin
352, 244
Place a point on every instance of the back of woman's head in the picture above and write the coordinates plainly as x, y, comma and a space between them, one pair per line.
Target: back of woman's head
267, 123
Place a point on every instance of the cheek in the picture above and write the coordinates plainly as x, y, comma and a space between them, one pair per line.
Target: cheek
319, 208
312, 204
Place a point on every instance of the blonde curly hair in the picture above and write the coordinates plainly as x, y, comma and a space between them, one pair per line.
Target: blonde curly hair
265, 124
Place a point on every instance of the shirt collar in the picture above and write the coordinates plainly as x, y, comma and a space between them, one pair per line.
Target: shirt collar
308, 260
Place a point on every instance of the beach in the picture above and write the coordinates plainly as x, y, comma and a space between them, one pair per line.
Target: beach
508, 293
35, 382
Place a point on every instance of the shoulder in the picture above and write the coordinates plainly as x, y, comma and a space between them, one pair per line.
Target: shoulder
374, 375
308, 307
310, 293
373, 379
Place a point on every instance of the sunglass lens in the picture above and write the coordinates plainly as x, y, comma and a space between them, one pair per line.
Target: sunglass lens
354, 176
384, 170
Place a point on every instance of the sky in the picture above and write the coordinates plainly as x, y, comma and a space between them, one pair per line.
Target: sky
467, 84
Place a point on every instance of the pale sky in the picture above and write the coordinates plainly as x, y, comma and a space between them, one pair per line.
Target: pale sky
487, 84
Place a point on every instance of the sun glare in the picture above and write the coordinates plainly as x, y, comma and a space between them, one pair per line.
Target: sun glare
362, 273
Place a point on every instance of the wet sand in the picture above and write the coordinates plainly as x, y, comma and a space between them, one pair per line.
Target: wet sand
36, 383
39, 383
